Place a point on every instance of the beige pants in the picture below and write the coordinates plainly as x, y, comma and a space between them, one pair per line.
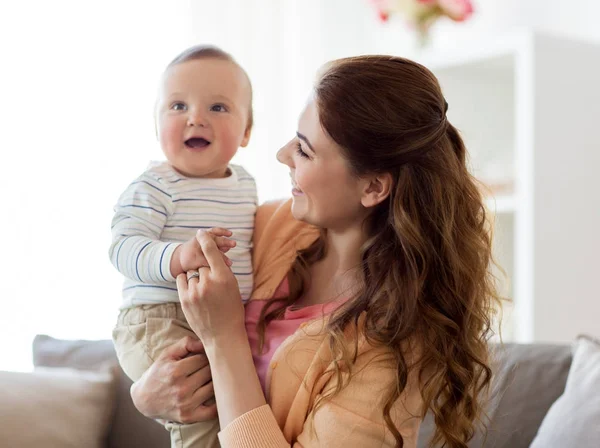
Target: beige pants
141, 334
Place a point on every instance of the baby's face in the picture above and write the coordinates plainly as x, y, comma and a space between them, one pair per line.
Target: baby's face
202, 115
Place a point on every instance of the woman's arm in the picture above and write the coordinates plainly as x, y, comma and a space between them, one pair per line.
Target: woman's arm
352, 418
233, 367
214, 310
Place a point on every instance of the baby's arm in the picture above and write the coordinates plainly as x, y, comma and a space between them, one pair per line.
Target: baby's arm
137, 251
140, 216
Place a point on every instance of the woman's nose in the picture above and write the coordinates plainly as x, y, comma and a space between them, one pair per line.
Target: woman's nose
284, 154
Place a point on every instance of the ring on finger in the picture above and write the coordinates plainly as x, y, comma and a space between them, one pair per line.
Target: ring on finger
192, 274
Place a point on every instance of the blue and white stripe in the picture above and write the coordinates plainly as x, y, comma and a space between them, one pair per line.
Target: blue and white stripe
160, 210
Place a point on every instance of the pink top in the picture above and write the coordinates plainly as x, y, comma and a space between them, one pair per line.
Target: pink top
279, 330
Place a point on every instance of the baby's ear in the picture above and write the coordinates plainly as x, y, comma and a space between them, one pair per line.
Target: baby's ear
246, 138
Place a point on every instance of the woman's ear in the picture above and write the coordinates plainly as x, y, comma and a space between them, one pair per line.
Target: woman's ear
377, 189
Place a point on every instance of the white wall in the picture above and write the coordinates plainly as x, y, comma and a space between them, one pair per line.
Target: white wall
77, 86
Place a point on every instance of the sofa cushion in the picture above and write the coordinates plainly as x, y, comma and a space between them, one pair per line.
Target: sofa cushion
129, 428
573, 421
527, 380
56, 408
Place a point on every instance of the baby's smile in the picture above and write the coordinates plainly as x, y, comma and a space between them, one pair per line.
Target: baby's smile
196, 143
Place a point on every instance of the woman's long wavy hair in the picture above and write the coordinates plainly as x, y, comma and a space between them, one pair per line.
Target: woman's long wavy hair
426, 264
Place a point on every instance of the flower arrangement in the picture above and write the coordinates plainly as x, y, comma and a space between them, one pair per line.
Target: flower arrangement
422, 14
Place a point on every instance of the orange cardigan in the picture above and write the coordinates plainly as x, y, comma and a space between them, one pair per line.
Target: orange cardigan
354, 417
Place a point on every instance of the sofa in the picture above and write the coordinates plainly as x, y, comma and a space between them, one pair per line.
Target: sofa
528, 380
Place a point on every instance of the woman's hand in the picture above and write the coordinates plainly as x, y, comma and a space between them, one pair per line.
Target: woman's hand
177, 384
189, 257
211, 302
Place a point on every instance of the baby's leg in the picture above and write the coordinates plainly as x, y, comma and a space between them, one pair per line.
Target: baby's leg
130, 337
196, 435
141, 334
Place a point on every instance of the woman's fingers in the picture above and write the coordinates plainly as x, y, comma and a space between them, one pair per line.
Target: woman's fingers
182, 287
203, 263
194, 346
193, 282
211, 252
200, 414
205, 393
179, 350
177, 384
194, 367
194, 397
193, 413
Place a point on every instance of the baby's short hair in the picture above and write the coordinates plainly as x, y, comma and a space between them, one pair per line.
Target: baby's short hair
212, 52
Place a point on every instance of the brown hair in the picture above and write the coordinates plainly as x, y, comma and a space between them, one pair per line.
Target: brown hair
426, 264
212, 52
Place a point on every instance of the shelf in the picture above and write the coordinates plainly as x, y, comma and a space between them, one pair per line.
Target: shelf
480, 54
517, 110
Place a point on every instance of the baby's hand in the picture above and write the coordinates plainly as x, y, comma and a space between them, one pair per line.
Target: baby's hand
189, 257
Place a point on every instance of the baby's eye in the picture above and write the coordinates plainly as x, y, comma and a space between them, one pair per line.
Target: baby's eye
218, 108
178, 106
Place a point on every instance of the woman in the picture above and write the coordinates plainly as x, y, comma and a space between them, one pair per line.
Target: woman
379, 294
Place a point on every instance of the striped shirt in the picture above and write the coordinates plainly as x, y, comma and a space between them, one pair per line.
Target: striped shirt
162, 209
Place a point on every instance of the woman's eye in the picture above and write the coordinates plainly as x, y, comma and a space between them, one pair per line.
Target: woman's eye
218, 108
178, 106
299, 150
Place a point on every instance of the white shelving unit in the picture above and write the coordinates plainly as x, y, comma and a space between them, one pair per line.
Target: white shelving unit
528, 107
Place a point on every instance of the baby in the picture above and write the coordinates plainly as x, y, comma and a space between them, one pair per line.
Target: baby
204, 114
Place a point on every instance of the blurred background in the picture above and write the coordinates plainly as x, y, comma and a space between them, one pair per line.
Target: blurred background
78, 85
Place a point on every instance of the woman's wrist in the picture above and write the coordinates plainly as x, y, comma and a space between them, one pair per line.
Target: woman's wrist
234, 336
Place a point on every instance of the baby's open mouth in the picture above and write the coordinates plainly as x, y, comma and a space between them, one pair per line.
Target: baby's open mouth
196, 143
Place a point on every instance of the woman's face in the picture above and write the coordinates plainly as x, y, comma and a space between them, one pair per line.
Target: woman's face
325, 192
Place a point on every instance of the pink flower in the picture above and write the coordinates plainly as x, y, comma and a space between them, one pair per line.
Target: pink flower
383, 16
458, 10
423, 13
383, 9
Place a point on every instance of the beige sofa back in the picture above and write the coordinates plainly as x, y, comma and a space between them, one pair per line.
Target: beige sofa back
528, 379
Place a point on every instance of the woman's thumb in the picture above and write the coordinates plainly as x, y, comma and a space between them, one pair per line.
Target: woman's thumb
194, 346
